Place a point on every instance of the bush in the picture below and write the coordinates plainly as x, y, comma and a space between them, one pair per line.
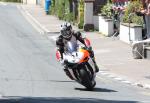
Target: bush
81, 23
60, 12
106, 9
60, 8
81, 14
136, 5
52, 8
11, 0
69, 17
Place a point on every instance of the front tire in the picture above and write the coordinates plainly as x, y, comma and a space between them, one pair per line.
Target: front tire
85, 79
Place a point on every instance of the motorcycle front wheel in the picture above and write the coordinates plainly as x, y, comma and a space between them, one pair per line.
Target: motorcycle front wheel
85, 79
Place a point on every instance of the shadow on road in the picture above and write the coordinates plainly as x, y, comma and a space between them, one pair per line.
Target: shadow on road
96, 90
59, 100
60, 81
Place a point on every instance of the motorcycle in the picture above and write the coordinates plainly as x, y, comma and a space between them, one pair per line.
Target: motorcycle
80, 64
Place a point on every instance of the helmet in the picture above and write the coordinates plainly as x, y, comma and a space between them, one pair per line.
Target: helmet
66, 29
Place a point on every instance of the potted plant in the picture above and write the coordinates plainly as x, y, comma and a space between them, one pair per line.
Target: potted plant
105, 20
131, 25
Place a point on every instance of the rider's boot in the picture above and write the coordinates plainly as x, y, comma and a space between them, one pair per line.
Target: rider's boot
67, 72
95, 65
93, 59
96, 68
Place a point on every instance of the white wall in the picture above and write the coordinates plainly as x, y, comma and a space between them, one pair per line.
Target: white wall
106, 26
24, 1
96, 22
31, 2
135, 34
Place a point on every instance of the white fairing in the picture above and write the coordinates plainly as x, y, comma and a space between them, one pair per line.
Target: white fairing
74, 57
72, 54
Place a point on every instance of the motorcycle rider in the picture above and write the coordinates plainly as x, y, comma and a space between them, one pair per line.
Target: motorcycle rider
67, 34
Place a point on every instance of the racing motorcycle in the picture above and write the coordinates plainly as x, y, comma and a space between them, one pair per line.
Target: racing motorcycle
80, 65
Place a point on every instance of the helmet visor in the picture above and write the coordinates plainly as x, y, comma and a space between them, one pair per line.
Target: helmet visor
66, 33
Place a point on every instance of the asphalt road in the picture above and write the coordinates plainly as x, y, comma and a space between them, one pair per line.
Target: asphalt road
29, 72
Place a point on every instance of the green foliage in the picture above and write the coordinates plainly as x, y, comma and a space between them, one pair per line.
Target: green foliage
106, 9
81, 14
131, 8
60, 12
11, 0
69, 17
81, 23
57, 8
60, 8
52, 8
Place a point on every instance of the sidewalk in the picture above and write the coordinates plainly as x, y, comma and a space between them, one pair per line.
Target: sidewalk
113, 56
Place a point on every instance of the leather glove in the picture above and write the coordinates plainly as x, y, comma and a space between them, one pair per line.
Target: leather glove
89, 48
62, 61
92, 54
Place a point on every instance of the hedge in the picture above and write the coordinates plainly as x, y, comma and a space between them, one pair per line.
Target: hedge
11, 0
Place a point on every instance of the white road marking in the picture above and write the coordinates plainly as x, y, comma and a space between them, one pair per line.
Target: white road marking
118, 78
104, 73
100, 51
147, 86
30, 19
127, 82
37, 22
53, 37
111, 76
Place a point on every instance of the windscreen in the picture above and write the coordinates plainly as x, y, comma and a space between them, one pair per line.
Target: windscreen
72, 47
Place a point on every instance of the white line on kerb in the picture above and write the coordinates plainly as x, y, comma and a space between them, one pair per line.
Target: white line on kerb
117, 78
28, 17
111, 76
147, 86
127, 82
53, 37
104, 73
45, 29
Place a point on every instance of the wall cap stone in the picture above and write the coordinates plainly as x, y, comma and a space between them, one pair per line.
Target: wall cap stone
132, 25
89, 0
